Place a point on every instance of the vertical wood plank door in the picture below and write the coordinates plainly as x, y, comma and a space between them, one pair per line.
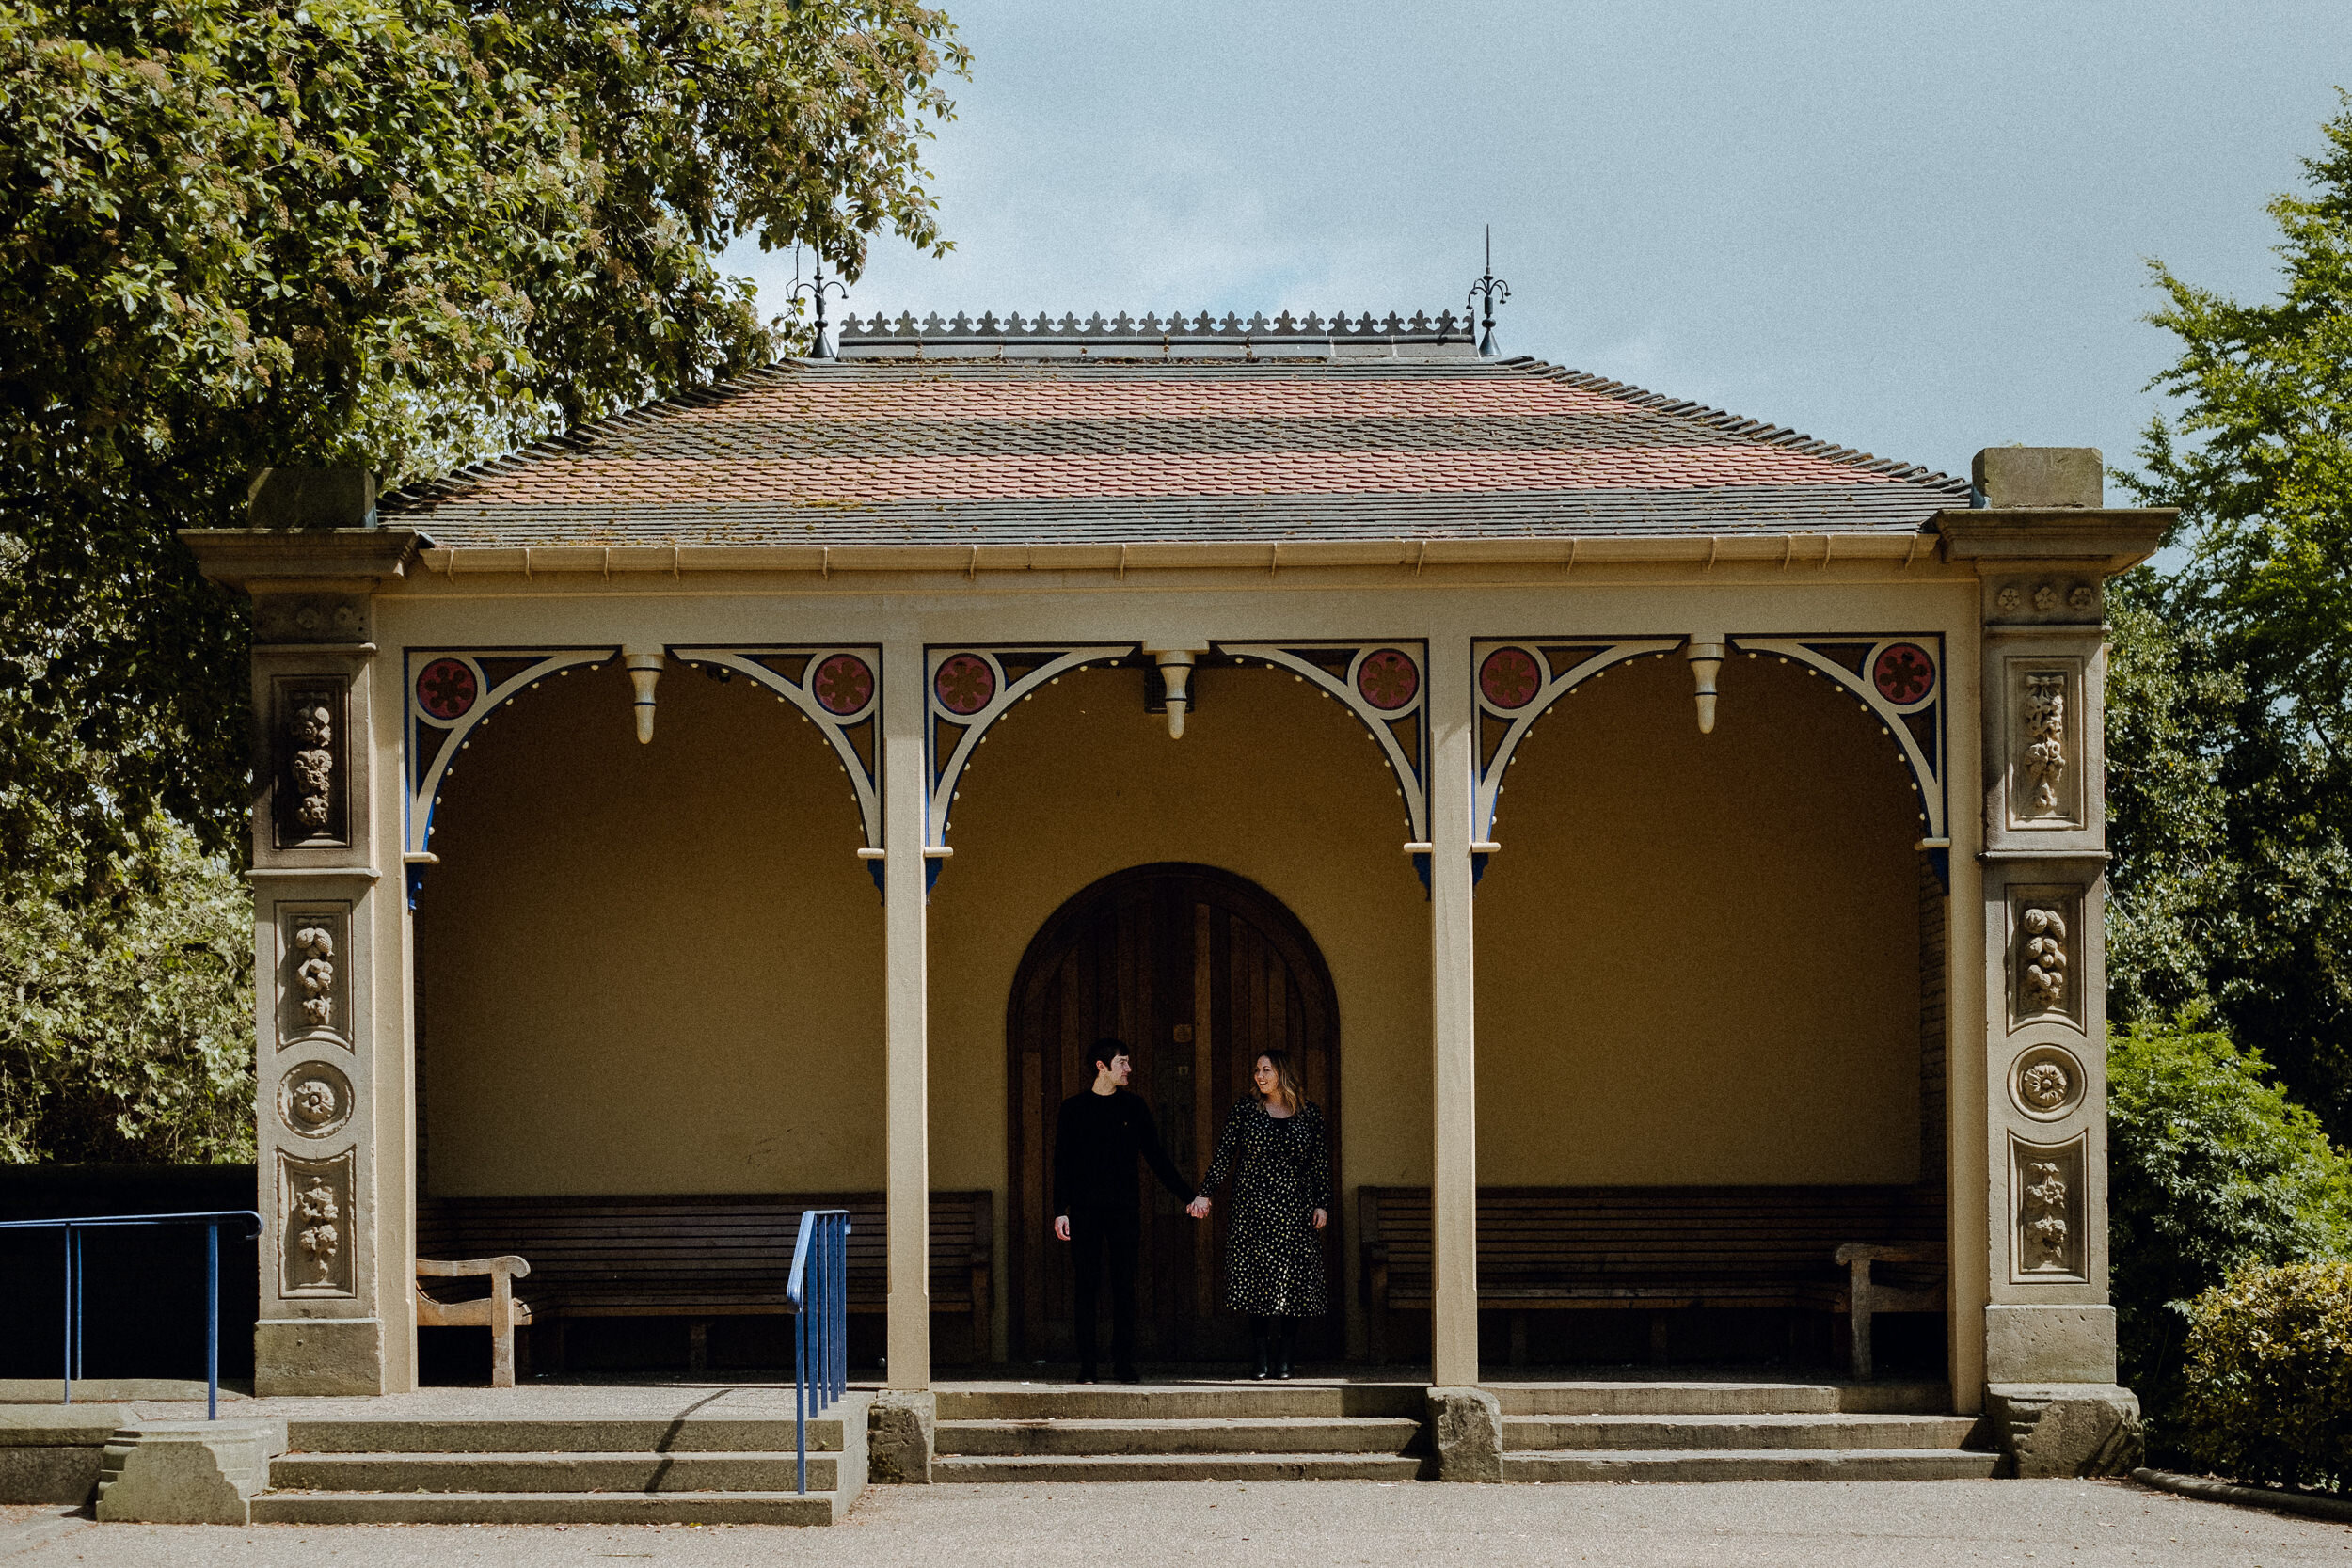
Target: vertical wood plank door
1198, 971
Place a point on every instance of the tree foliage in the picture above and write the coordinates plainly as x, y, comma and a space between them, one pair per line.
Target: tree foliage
126, 1021
2210, 1167
393, 233
2231, 812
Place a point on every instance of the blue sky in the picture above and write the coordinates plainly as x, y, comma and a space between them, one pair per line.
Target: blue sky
1911, 229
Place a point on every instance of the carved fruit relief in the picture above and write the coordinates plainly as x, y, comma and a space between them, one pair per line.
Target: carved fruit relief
315, 1225
2044, 754
2047, 1183
2042, 961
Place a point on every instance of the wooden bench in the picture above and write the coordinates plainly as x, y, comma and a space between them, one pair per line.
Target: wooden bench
704, 1256
1662, 1249
500, 1311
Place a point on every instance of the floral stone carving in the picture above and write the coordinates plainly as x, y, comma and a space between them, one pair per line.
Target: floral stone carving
315, 971
314, 1100
2049, 1240
315, 1242
2044, 1086
2045, 740
314, 764
2042, 978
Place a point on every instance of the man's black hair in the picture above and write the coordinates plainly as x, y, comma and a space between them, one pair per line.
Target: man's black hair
1106, 1048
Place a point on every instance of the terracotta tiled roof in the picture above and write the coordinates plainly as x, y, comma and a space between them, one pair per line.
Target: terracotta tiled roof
926, 451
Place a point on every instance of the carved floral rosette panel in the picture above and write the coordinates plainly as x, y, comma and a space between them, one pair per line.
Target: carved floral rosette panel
838, 689
2046, 754
317, 1225
967, 689
2046, 1193
314, 990
310, 791
2047, 1081
1385, 684
2045, 927
450, 692
1517, 680
314, 1100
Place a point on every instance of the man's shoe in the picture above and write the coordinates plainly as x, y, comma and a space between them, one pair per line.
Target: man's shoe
1088, 1374
1128, 1374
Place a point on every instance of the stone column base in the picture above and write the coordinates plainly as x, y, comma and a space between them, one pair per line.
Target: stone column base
318, 1355
1465, 1427
899, 1434
187, 1472
2066, 1429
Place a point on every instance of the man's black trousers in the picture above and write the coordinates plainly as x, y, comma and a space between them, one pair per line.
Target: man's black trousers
1106, 1241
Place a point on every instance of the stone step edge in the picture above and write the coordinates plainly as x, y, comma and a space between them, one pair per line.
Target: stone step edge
1171, 1423
550, 1456
590, 1508
1210, 1467
1619, 1459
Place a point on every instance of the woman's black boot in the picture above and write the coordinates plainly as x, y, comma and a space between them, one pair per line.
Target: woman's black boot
1285, 1335
1258, 1343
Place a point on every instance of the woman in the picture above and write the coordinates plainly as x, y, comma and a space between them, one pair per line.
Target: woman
1273, 1147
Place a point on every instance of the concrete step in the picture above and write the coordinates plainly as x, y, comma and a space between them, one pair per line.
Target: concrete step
1534, 1433
534, 1434
1710, 1464
1278, 1434
1608, 1397
1179, 1466
1237, 1401
549, 1507
549, 1472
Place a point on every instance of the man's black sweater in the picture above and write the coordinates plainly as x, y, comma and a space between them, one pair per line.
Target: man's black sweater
1095, 1143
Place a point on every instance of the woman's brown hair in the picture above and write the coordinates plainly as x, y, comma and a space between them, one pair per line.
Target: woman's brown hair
1285, 1078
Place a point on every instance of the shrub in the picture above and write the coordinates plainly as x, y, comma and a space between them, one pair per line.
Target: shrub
2211, 1168
2267, 1393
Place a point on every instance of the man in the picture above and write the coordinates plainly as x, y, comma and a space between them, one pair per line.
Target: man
1097, 1197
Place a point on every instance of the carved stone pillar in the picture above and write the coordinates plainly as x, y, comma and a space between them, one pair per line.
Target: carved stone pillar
332, 1087
2044, 547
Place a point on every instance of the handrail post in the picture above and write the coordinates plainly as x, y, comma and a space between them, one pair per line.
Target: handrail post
211, 1321
68, 1329
81, 1311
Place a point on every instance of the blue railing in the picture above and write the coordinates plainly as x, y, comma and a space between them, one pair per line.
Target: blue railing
211, 1219
820, 1288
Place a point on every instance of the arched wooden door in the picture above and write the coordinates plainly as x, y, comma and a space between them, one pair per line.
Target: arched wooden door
1199, 971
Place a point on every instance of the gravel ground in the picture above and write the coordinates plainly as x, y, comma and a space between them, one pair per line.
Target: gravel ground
1910, 1524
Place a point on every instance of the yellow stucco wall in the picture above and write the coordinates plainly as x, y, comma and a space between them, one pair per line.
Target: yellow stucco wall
658, 969
650, 968
1698, 955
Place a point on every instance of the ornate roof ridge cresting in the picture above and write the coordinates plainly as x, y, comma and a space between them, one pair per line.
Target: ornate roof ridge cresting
1204, 334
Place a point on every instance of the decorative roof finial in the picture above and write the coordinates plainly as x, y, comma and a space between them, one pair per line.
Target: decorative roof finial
1490, 291
823, 348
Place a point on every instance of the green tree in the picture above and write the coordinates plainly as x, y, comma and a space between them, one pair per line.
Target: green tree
2232, 827
126, 1021
396, 233
2210, 1167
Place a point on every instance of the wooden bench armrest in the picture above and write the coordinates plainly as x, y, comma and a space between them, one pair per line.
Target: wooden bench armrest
1863, 1252
509, 1266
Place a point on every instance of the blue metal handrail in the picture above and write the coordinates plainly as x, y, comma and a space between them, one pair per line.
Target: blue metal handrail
820, 1288
212, 1219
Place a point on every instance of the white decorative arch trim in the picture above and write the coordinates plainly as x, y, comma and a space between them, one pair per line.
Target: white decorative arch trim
450, 692
1515, 681
1385, 684
837, 689
966, 689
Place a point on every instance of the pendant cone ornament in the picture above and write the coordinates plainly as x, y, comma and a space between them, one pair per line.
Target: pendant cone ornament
1706, 653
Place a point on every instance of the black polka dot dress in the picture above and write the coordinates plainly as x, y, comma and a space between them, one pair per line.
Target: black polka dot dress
1281, 1173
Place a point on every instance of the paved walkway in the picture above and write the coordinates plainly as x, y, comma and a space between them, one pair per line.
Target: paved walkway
1323, 1524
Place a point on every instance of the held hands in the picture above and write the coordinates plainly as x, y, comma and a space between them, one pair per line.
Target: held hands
1061, 1227
1321, 1219
1198, 1207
